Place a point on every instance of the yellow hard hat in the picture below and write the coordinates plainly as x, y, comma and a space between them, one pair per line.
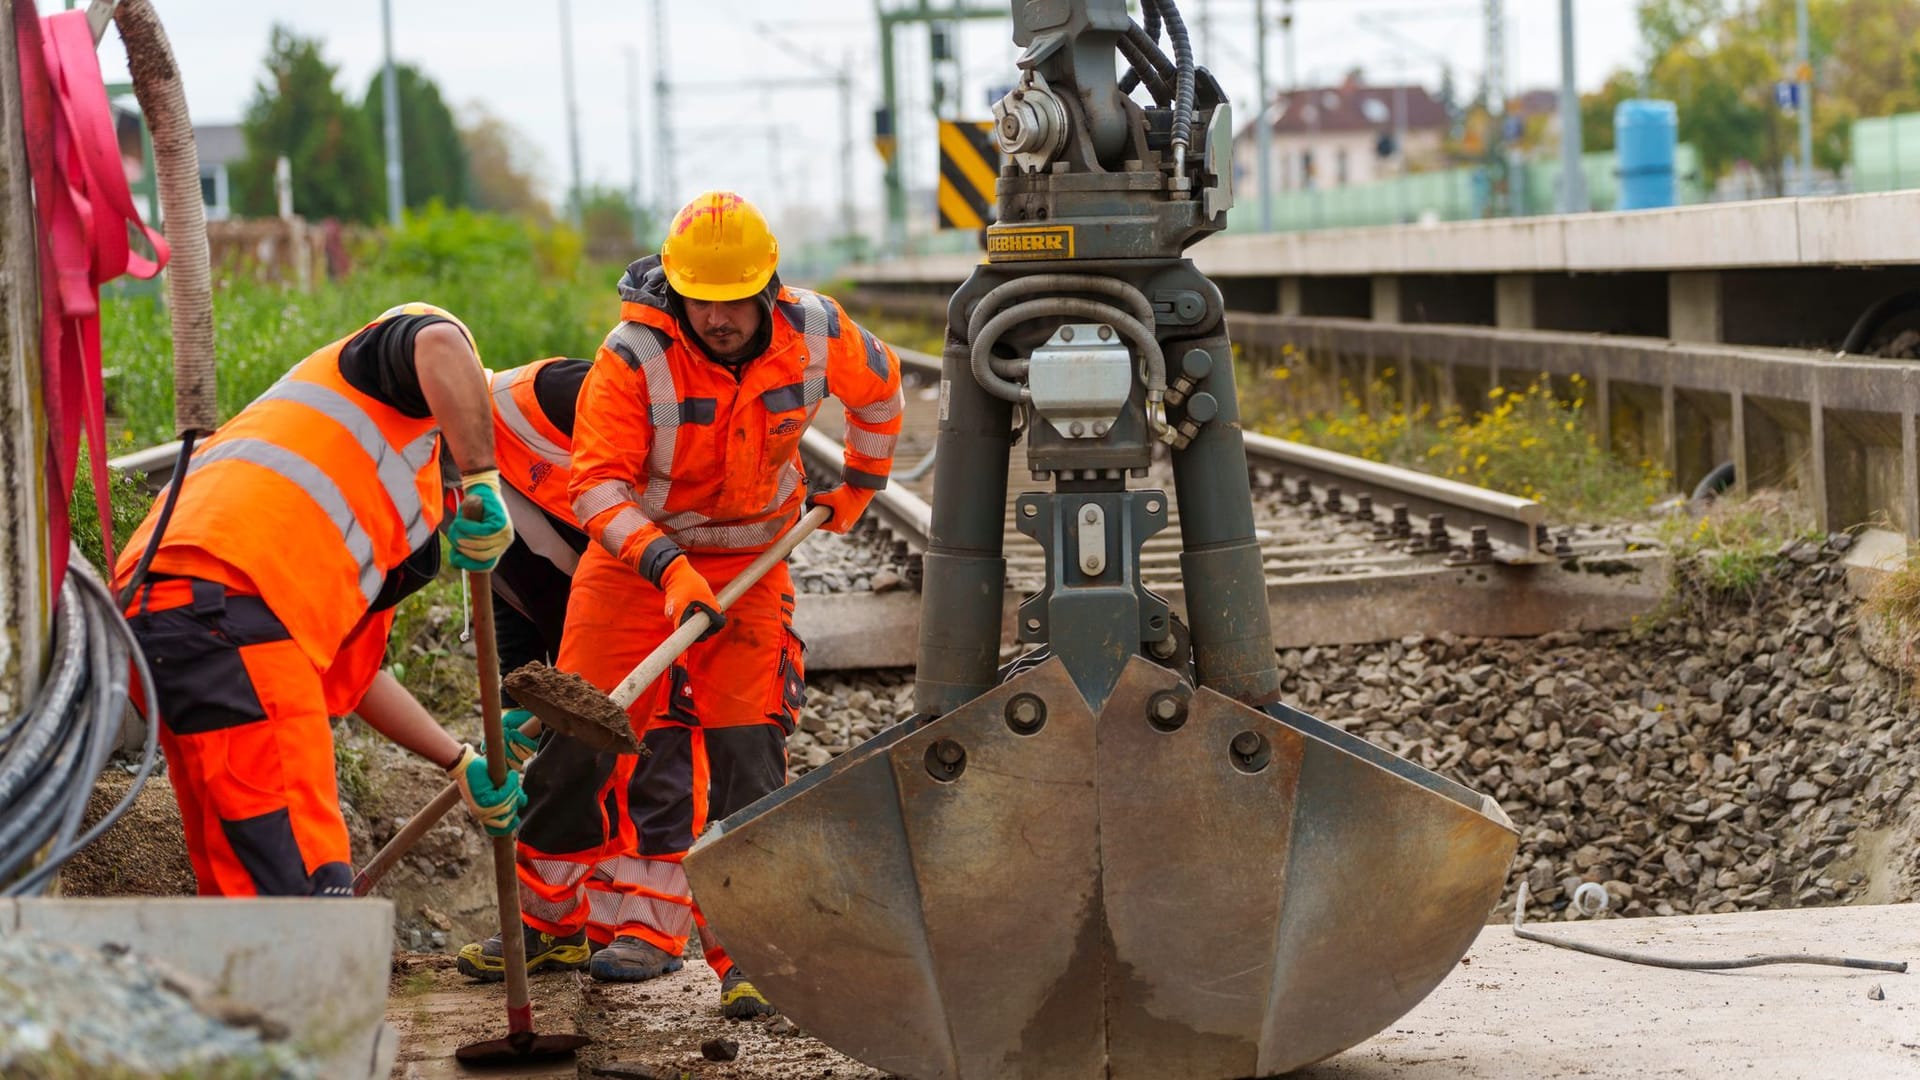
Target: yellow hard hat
421, 307
719, 248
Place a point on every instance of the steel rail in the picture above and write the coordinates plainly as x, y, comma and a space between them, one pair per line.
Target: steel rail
905, 514
1511, 521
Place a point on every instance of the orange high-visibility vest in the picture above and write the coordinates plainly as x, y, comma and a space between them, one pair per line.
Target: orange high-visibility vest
671, 452
309, 497
535, 457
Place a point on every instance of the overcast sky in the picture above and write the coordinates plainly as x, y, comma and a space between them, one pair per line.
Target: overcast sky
780, 144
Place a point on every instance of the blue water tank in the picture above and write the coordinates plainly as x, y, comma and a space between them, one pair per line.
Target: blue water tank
1645, 134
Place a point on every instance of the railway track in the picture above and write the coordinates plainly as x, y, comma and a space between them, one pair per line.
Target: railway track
1355, 551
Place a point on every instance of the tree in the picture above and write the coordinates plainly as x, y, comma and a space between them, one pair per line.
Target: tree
615, 230
297, 112
433, 162
502, 167
1596, 110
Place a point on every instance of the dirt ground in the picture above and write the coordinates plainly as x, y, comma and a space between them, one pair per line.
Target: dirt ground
142, 855
651, 1031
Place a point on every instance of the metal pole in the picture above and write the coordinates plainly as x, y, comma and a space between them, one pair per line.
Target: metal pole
1262, 124
847, 227
633, 135
390, 103
1573, 178
573, 113
662, 105
1804, 76
896, 191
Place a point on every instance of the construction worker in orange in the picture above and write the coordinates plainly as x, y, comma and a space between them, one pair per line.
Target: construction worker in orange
685, 466
265, 604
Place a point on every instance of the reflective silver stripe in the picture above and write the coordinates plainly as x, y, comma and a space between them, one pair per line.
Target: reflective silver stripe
508, 407
621, 529
790, 477
663, 410
313, 482
398, 470
532, 527
615, 910
656, 875
815, 322
734, 536
880, 411
559, 871
870, 443
601, 498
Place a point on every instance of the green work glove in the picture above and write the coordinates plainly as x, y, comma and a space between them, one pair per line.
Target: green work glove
497, 809
520, 748
478, 545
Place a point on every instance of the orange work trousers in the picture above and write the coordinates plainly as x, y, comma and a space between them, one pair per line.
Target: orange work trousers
607, 857
249, 748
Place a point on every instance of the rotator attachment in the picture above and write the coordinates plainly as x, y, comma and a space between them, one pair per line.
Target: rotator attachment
1117, 856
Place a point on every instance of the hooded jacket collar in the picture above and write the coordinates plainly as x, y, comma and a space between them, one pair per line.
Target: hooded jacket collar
645, 283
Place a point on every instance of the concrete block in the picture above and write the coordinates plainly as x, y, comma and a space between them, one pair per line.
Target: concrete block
318, 966
1875, 554
1386, 299
1695, 309
1496, 246
1513, 301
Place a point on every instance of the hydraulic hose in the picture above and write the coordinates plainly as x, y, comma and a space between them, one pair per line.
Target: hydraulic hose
1129, 327
1183, 88
1052, 285
1143, 60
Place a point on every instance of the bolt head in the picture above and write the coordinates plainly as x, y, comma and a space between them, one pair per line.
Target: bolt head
1033, 624
1028, 510
1101, 427
1026, 711
1076, 428
1106, 332
1066, 333
948, 751
1246, 744
1153, 506
1090, 515
1166, 708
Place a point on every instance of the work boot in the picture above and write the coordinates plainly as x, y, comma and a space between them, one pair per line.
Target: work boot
486, 960
629, 959
740, 1000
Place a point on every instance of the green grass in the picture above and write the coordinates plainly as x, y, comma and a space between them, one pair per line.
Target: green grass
523, 291
1528, 441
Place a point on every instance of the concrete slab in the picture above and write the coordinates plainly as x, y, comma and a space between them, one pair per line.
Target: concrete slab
1519, 1009
1686, 238
261, 952
1859, 229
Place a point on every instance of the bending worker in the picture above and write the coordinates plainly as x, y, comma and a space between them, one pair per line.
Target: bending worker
533, 413
299, 525
685, 466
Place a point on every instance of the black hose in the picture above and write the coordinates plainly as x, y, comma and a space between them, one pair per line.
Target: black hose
1183, 90
1649, 960
1872, 319
1146, 45
1143, 58
82, 704
160, 525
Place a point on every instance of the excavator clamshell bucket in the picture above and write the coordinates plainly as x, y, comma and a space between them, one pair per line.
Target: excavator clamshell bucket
1192, 889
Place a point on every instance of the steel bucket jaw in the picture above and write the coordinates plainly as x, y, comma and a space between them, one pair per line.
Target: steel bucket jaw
1178, 885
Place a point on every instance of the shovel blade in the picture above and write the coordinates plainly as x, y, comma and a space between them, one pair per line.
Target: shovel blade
1119, 894
573, 706
520, 1048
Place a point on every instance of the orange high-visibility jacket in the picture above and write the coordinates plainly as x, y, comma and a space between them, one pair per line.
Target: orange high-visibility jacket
672, 453
309, 497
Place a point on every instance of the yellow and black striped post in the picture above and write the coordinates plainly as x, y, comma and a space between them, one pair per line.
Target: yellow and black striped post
969, 164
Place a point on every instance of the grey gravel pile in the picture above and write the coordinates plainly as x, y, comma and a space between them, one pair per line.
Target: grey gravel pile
862, 561
1740, 756
66, 1011
1714, 764
842, 712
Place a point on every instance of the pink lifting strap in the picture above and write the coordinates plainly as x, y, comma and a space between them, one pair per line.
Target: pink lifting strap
84, 209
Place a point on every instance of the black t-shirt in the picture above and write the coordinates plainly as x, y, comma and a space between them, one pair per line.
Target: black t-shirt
379, 363
557, 388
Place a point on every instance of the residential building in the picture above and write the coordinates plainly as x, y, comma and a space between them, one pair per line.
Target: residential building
1335, 136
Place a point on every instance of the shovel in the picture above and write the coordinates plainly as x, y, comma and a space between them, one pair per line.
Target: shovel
522, 1044
566, 701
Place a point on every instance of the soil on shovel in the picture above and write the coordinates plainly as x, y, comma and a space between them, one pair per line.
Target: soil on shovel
573, 706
